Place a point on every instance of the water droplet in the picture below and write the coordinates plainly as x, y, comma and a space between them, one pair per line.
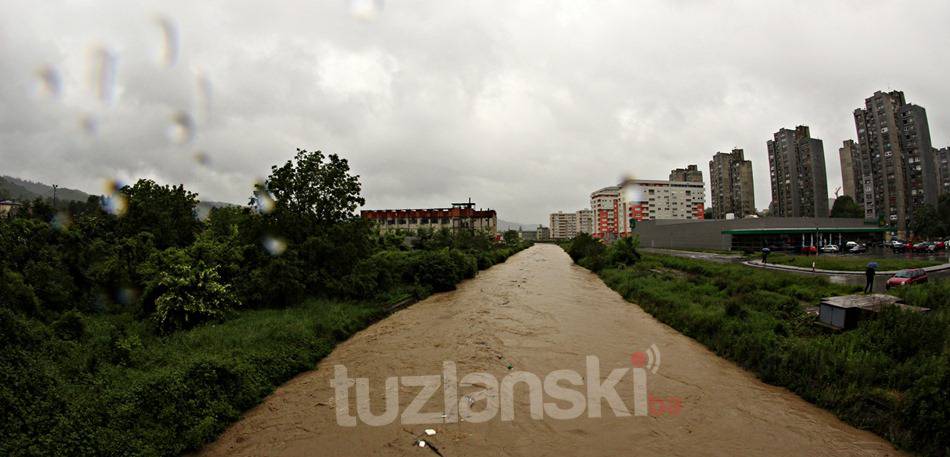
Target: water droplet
126, 295
102, 79
366, 9
204, 94
62, 220
274, 246
182, 129
113, 200
89, 124
116, 204
51, 83
264, 200
169, 41
202, 158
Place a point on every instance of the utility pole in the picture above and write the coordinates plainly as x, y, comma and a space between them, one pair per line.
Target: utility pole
55, 186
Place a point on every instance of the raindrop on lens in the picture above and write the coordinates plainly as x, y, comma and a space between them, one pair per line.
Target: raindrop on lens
170, 41
202, 158
182, 129
274, 246
50, 84
264, 200
62, 221
103, 74
366, 9
89, 124
113, 200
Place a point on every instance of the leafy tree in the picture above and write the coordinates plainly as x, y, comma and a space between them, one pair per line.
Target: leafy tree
926, 222
311, 190
708, 213
168, 213
845, 206
943, 213
192, 295
511, 238
624, 251
584, 245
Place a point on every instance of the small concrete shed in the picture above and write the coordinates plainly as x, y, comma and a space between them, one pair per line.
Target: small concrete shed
845, 311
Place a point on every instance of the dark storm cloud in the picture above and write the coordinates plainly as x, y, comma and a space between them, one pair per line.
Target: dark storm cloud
524, 106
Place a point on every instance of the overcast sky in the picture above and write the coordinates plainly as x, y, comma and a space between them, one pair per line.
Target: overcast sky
524, 106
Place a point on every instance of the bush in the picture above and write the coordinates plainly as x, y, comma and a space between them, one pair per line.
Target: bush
436, 270
191, 296
584, 245
70, 326
623, 251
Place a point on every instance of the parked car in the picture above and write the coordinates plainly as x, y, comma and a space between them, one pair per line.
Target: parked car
829, 248
857, 248
850, 244
924, 246
809, 250
940, 245
906, 278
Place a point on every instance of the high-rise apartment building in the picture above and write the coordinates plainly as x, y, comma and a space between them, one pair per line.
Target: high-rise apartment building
606, 207
942, 166
585, 221
897, 157
567, 225
851, 183
645, 199
689, 174
563, 225
797, 169
730, 185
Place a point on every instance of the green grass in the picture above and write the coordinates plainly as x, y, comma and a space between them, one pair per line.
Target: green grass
836, 262
890, 375
120, 391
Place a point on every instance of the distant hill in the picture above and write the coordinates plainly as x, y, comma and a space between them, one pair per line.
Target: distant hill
504, 226
23, 190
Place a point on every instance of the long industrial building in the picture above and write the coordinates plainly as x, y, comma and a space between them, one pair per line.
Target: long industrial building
461, 216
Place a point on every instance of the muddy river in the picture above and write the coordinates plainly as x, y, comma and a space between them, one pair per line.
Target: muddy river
535, 317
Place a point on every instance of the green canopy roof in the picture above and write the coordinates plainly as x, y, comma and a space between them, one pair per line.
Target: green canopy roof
799, 230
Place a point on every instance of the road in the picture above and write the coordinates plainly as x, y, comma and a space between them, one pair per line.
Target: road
539, 313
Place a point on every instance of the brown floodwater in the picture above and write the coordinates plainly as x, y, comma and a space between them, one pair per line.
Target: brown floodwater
539, 313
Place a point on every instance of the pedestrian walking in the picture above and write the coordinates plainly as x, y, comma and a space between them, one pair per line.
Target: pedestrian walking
765, 255
869, 274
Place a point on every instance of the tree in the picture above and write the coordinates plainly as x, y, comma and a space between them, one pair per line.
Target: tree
310, 190
168, 213
926, 222
943, 213
709, 213
845, 206
511, 238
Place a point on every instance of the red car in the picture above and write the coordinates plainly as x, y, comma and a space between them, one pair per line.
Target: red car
809, 249
907, 277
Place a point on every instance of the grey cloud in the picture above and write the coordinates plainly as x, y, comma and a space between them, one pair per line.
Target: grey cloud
524, 106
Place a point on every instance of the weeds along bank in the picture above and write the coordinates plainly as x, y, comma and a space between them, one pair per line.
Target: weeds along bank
891, 375
129, 327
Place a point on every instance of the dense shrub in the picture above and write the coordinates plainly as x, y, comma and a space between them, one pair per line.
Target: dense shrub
191, 295
584, 246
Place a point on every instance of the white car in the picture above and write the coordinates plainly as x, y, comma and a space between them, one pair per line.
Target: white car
829, 248
850, 244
